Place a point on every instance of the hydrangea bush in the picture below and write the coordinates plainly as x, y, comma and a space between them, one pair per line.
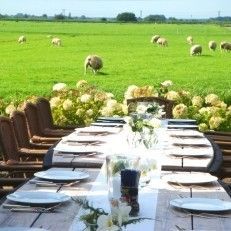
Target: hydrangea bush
83, 104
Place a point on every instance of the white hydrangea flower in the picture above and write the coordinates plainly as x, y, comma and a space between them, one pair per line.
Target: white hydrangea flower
205, 110
89, 112
211, 99
215, 122
129, 94
59, 87
155, 123
9, 109
180, 111
54, 102
203, 127
125, 109
105, 223
197, 101
111, 103
67, 104
85, 98
141, 109
81, 83
79, 112
172, 95
109, 95
106, 111
167, 83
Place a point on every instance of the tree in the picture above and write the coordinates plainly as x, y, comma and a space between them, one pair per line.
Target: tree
126, 17
155, 18
59, 16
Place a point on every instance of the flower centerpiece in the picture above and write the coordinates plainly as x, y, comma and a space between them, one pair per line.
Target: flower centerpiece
142, 124
98, 220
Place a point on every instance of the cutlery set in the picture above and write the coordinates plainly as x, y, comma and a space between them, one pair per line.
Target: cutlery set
51, 183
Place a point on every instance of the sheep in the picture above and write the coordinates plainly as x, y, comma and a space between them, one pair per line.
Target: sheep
212, 45
155, 38
190, 40
56, 41
196, 50
225, 46
162, 41
94, 61
22, 39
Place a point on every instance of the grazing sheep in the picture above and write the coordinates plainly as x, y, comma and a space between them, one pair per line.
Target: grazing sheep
162, 41
93, 61
212, 45
22, 39
225, 46
190, 40
196, 50
56, 41
155, 38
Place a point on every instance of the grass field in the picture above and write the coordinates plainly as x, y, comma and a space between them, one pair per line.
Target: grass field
129, 57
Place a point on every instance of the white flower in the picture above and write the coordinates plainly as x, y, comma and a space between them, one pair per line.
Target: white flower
54, 102
89, 112
59, 87
203, 127
215, 122
105, 223
85, 98
10, 108
106, 111
81, 83
211, 99
79, 112
197, 101
166, 83
141, 109
155, 123
109, 95
129, 94
67, 104
180, 111
172, 95
111, 103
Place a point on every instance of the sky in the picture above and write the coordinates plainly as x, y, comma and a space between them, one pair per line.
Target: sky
111, 8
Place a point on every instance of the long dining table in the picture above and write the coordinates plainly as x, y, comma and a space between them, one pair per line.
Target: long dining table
182, 153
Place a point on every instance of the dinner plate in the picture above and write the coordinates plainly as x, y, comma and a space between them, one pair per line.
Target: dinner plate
62, 175
202, 204
182, 126
182, 120
37, 197
109, 124
189, 154
111, 119
186, 178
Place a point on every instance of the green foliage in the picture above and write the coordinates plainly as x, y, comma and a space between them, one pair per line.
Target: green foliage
155, 18
126, 17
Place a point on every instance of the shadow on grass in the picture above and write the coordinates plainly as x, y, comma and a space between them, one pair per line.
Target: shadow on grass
102, 73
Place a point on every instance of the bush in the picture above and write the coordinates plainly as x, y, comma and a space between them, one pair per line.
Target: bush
126, 17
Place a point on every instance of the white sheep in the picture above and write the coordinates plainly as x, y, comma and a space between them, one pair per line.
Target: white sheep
196, 50
212, 45
225, 46
155, 38
22, 39
93, 61
162, 41
190, 40
56, 41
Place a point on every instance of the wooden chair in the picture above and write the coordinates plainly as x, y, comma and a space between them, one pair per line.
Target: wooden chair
18, 119
46, 123
10, 148
223, 140
33, 124
168, 104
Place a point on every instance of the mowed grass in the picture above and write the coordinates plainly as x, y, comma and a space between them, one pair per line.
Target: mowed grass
128, 56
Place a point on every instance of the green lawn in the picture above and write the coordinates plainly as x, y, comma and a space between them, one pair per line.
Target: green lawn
128, 56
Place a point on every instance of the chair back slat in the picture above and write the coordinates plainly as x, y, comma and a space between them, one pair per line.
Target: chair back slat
8, 139
30, 110
168, 104
21, 130
44, 113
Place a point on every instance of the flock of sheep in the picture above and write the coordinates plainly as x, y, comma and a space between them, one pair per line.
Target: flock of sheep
96, 63
194, 49
92, 61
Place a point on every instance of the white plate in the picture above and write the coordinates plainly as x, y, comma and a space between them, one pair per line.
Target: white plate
107, 124
182, 120
37, 197
202, 204
62, 175
181, 126
21, 229
109, 118
193, 178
